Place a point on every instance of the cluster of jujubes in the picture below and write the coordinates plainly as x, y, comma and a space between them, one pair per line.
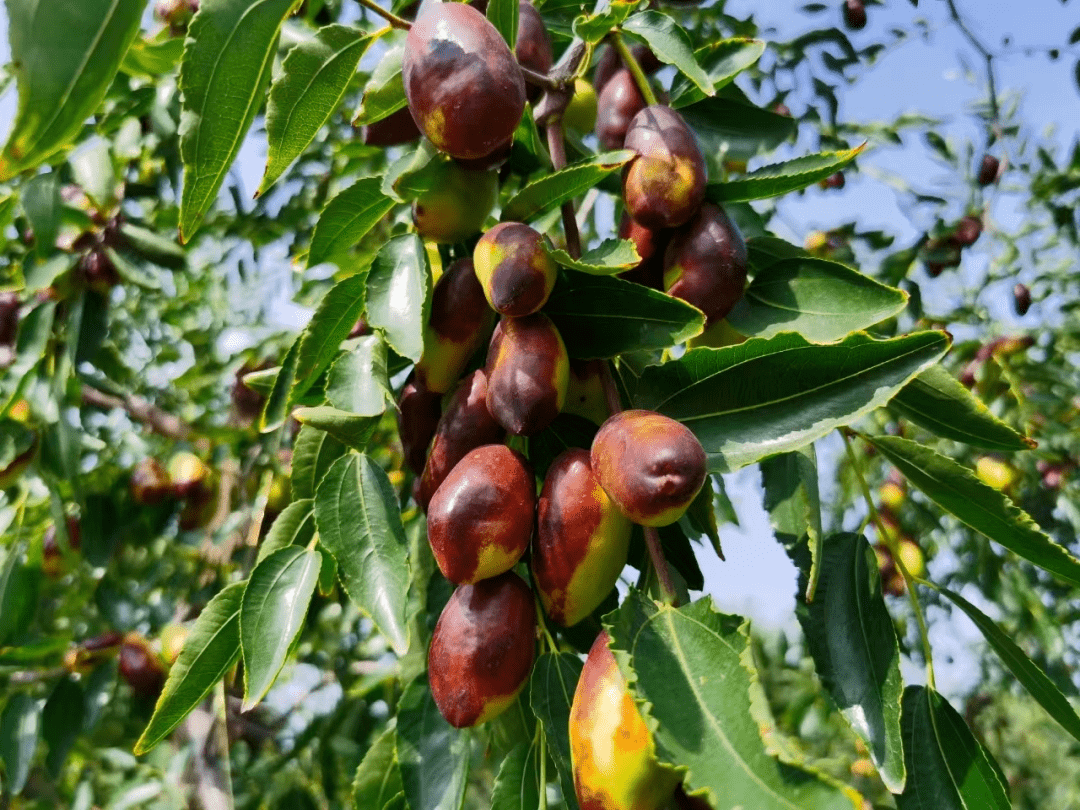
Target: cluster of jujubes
187, 479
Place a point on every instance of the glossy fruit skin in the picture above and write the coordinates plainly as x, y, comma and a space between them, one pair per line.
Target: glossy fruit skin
650, 246
187, 474
480, 519
834, 181
649, 465
967, 231
150, 482
456, 205
465, 425
665, 184
532, 46
585, 394
854, 14
912, 557
529, 374
619, 101
705, 263
140, 667
463, 85
612, 753
91, 652
482, 649
514, 270
580, 113
988, 170
418, 416
581, 540
1021, 299
394, 130
460, 320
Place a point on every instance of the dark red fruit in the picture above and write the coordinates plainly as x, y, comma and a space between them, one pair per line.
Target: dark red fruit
1021, 299
480, 519
150, 482
465, 425
967, 231
9, 318
397, 128
482, 649
459, 323
705, 263
650, 245
529, 374
989, 169
651, 466
834, 181
418, 416
665, 184
854, 14
514, 269
140, 667
616, 106
463, 85
532, 46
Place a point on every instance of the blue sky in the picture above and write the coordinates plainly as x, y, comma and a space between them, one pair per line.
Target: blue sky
927, 75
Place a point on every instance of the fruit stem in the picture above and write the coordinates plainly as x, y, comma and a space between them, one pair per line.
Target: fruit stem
611, 391
557, 147
393, 19
632, 65
545, 634
659, 564
539, 79
894, 550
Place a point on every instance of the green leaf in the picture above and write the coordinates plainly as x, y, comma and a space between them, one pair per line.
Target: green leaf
594, 27
272, 612
313, 453
64, 57
936, 401
782, 178
850, 635
609, 257
671, 44
821, 300
18, 595
551, 693
360, 525
947, 767
503, 14
151, 58
433, 755
384, 93
350, 429
1023, 668
276, 407
223, 76
41, 202
686, 668
399, 293
735, 129
153, 246
764, 397
20, 727
211, 648
347, 218
959, 492
358, 380
294, 526
321, 339
314, 77
723, 60
517, 786
793, 502
602, 316
378, 777
554, 189
61, 722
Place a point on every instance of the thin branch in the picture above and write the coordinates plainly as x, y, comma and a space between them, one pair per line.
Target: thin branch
393, 19
539, 79
659, 564
557, 147
140, 410
977, 44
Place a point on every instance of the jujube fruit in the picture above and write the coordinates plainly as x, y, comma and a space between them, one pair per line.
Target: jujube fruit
456, 203
529, 372
585, 395
650, 465
187, 473
418, 415
610, 62
580, 112
650, 246
619, 101
150, 482
532, 46
514, 269
141, 667
612, 752
665, 184
1021, 299
457, 326
967, 231
9, 318
465, 425
705, 263
397, 128
581, 540
989, 168
480, 519
854, 14
482, 649
464, 88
